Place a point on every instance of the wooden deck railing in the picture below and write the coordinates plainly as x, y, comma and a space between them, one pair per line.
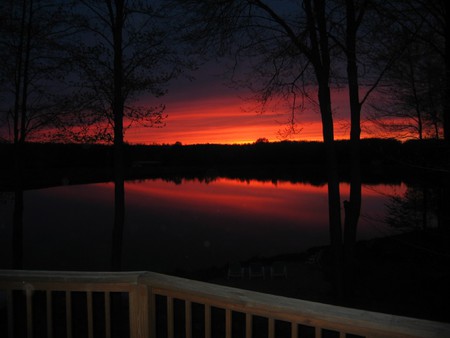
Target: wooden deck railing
146, 304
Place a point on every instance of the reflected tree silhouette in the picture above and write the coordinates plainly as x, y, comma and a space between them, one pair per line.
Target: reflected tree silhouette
17, 236
417, 209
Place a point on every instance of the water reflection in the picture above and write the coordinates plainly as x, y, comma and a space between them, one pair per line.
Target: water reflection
172, 227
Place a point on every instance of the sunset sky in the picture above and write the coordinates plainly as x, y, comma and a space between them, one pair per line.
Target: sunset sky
205, 110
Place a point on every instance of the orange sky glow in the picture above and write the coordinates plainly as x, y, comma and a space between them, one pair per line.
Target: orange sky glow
205, 110
228, 120
218, 120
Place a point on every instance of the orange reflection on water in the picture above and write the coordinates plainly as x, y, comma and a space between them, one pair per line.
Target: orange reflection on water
282, 203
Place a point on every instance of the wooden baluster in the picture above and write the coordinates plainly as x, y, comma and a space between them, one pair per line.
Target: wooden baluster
248, 325
68, 314
108, 314
294, 330
318, 332
228, 323
10, 311
207, 321
90, 314
188, 318
49, 314
152, 313
170, 321
271, 327
29, 301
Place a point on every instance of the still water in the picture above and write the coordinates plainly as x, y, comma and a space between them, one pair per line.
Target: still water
187, 226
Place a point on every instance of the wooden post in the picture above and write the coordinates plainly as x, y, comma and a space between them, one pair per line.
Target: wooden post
139, 312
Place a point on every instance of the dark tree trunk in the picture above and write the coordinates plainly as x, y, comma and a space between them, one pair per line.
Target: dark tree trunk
26, 64
19, 75
320, 58
117, 18
445, 211
17, 233
352, 207
446, 112
334, 204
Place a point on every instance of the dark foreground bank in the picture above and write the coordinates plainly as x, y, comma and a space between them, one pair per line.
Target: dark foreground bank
406, 274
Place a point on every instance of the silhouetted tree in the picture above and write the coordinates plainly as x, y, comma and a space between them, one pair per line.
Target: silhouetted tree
413, 97
417, 88
30, 52
412, 102
123, 51
427, 64
292, 47
262, 140
31, 34
360, 37
288, 49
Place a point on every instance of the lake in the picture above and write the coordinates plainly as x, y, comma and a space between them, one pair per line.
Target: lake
179, 227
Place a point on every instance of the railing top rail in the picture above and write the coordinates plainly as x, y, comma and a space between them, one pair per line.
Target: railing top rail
12, 276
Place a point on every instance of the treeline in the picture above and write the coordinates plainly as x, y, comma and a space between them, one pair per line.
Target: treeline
383, 161
373, 152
